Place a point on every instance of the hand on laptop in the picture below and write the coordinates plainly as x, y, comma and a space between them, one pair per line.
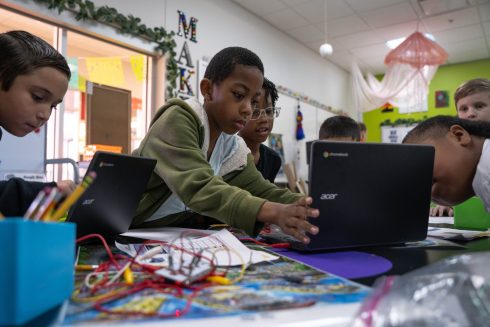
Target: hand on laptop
291, 218
66, 186
438, 211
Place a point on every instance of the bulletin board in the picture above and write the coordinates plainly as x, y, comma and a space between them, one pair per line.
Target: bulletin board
395, 134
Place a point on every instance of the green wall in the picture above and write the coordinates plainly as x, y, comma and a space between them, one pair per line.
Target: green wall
447, 78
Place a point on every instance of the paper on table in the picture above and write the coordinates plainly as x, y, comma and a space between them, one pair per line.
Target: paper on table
215, 244
164, 234
441, 220
456, 234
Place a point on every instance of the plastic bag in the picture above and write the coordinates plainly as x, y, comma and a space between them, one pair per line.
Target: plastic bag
452, 292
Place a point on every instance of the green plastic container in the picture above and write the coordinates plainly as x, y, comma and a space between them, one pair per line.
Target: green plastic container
471, 214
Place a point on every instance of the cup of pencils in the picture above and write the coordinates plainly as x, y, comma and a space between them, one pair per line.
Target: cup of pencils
38, 256
47, 206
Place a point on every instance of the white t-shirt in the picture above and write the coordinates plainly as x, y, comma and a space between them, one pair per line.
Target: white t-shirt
481, 181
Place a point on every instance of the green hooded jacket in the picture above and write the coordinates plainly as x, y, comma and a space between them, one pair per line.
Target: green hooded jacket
179, 138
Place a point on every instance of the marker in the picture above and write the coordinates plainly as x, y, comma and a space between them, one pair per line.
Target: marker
74, 196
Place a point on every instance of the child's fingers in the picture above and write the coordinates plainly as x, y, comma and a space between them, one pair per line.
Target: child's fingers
302, 226
303, 212
304, 201
297, 234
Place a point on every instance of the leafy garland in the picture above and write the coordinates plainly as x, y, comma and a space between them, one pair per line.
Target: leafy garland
85, 10
402, 121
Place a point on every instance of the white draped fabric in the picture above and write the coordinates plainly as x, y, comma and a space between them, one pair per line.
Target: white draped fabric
403, 85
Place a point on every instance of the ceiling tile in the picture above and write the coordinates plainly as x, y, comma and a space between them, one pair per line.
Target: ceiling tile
313, 10
391, 15
467, 45
338, 8
459, 34
363, 5
286, 19
294, 2
358, 39
451, 20
346, 25
485, 12
377, 50
260, 7
375, 60
465, 56
306, 34
486, 27
397, 31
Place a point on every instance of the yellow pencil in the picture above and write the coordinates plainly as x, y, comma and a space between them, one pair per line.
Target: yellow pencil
73, 197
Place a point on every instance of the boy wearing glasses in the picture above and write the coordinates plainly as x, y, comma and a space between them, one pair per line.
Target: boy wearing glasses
204, 169
258, 129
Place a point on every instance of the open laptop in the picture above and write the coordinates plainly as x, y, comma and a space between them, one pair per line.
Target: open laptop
369, 194
108, 205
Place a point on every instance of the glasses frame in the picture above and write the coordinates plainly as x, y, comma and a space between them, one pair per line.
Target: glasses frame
277, 111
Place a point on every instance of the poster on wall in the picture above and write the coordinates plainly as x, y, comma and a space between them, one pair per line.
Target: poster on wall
275, 143
395, 134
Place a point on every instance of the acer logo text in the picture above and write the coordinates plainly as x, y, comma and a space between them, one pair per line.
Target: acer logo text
329, 196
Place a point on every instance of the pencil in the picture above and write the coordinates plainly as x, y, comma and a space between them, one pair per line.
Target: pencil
86, 267
34, 206
73, 197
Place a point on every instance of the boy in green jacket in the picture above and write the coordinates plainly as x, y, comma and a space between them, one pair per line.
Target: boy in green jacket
205, 169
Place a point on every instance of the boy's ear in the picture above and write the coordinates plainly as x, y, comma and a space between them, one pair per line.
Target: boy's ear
460, 135
206, 86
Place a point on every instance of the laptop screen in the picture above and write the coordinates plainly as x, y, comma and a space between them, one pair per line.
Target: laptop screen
108, 205
370, 194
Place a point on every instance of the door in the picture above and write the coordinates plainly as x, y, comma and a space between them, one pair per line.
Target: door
109, 116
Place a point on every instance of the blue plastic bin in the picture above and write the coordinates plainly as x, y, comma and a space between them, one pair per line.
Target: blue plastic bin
36, 268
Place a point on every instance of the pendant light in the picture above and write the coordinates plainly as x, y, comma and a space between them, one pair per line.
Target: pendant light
326, 48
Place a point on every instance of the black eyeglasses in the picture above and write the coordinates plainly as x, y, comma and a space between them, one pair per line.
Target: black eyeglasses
270, 113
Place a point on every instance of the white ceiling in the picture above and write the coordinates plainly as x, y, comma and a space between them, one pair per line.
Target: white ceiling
358, 29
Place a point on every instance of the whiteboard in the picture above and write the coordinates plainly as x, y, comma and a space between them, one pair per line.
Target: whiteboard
23, 156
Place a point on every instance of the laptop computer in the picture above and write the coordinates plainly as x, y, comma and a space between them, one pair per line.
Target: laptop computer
369, 194
108, 205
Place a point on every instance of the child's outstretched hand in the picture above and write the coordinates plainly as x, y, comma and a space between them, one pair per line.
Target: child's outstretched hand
292, 218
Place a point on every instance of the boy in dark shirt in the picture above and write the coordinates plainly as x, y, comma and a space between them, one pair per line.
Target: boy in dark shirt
258, 129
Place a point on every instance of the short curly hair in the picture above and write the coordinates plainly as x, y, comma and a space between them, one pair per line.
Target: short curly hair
222, 64
438, 126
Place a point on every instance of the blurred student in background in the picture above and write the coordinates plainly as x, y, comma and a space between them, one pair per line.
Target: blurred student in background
363, 131
340, 128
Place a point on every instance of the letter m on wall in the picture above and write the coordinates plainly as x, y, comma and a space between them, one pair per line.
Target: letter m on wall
188, 28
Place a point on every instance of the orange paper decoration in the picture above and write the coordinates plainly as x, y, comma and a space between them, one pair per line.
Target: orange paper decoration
417, 51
